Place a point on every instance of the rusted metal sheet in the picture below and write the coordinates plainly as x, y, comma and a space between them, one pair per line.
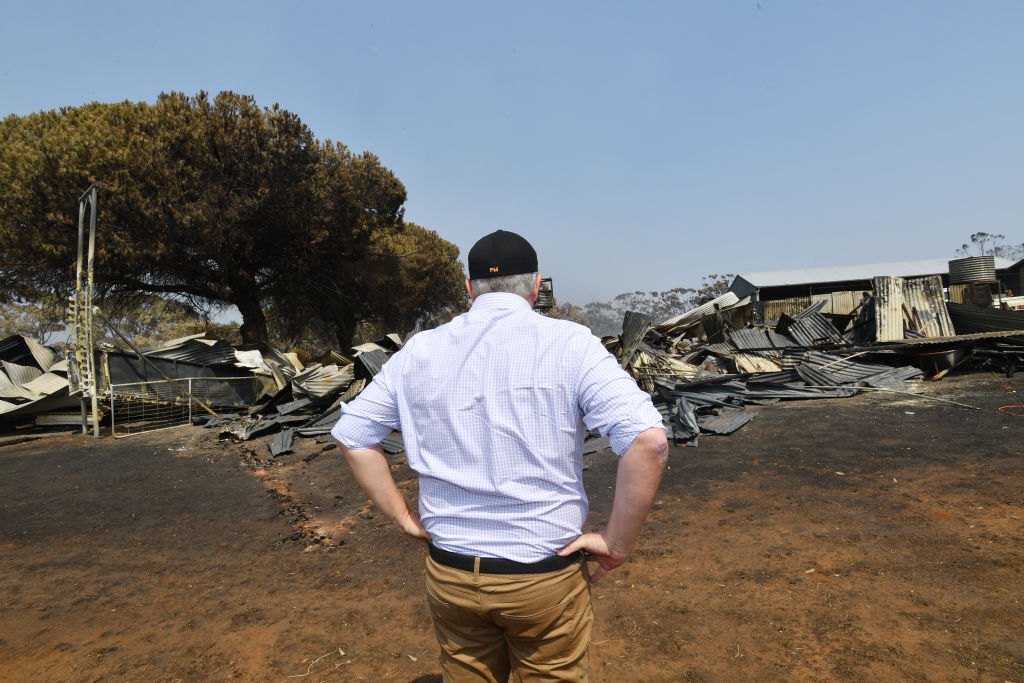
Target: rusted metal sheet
754, 362
318, 381
925, 308
679, 324
773, 310
888, 308
814, 330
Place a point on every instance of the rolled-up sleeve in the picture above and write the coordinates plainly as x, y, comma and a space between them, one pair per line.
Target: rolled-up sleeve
610, 399
368, 418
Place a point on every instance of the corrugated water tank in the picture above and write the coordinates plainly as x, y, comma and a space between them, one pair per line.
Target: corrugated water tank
972, 269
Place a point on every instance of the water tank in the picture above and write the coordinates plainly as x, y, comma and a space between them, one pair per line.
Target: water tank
972, 269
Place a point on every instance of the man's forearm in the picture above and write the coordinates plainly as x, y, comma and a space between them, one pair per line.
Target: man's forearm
370, 468
636, 482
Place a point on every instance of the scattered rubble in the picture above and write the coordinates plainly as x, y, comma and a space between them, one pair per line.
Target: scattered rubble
706, 369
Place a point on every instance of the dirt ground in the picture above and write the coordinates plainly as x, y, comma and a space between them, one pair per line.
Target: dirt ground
863, 539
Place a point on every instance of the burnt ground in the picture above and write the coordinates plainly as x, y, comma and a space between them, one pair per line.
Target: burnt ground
863, 539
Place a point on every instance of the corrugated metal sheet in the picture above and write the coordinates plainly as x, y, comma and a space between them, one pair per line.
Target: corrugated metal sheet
843, 303
44, 355
972, 269
370, 362
839, 369
754, 362
368, 348
726, 423
20, 374
196, 351
750, 339
773, 310
924, 305
393, 443
281, 442
779, 341
15, 350
681, 322
336, 358
816, 306
893, 378
46, 384
1013, 336
816, 377
9, 389
888, 308
969, 319
814, 330
634, 327
319, 381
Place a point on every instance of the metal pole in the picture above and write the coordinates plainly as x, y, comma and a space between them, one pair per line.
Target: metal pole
77, 309
92, 251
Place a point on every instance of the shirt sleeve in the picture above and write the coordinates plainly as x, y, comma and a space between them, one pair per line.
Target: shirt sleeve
367, 419
610, 399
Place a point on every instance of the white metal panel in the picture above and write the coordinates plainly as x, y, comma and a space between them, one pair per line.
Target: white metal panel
693, 316
44, 355
21, 374
804, 276
46, 384
888, 308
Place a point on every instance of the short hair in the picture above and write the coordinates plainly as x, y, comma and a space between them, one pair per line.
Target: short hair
521, 284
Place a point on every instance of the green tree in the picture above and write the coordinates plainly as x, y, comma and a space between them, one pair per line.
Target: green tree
154, 320
211, 202
411, 279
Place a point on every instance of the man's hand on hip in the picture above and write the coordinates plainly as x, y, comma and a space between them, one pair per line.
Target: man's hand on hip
410, 526
595, 549
637, 479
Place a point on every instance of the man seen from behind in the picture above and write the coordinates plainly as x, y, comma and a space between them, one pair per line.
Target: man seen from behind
493, 408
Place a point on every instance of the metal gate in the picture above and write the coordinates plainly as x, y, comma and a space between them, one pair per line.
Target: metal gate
140, 407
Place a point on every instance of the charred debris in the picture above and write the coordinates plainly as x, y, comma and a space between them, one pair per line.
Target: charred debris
709, 370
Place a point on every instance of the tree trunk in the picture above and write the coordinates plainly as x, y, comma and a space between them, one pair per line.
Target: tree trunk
345, 332
254, 322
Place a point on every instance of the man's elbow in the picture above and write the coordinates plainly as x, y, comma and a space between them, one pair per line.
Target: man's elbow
653, 444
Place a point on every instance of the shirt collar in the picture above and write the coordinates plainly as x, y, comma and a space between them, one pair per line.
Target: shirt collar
500, 301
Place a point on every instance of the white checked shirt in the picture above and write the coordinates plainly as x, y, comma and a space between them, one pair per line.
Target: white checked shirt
493, 408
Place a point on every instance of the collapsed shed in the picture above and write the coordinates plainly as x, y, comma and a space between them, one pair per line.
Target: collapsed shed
840, 289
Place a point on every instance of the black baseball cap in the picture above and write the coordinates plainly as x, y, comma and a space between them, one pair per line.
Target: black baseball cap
501, 253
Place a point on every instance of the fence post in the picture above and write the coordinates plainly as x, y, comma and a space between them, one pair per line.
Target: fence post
190, 401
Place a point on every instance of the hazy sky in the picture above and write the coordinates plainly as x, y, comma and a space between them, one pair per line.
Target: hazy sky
637, 145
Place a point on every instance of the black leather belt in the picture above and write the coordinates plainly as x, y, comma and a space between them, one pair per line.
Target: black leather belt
493, 565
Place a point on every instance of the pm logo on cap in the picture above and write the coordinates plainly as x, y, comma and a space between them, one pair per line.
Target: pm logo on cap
501, 253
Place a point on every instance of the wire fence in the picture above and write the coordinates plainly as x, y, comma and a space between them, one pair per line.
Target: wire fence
139, 407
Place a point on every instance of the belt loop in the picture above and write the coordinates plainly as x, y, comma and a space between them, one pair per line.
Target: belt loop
476, 566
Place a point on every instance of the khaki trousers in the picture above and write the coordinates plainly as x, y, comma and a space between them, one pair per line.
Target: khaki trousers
511, 627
